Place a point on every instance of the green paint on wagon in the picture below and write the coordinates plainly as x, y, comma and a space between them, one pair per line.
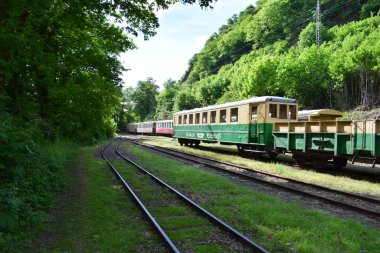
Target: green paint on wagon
260, 134
337, 143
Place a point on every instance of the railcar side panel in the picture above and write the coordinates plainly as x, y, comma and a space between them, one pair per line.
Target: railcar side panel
339, 138
231, 133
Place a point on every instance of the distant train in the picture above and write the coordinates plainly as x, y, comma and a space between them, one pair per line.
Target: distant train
161, 127
273, 125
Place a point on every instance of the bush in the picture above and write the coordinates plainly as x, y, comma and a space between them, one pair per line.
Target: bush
31, 175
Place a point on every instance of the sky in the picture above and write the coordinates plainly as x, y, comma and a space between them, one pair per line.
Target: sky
183, 32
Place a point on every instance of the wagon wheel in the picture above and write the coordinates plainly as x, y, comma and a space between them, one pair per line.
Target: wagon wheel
240, 149
272, 155
320, 162
339, 162
300, 160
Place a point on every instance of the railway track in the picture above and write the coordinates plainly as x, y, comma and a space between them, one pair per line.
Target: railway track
169, 196
366, 205
352, 173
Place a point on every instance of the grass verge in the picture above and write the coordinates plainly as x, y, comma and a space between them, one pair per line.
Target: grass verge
337, 182
278, 226
95, 215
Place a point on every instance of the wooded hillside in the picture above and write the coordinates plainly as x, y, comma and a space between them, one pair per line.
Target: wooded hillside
60, 79
270, 49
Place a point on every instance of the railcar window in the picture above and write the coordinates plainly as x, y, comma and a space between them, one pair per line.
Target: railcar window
197, 116
184, 119
191, 118
273, 111
292, 112
254, 113
223, 116
234, 115
204, 118
179, 120
213, 117
283, 111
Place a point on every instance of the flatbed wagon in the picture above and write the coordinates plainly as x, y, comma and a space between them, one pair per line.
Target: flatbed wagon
336, 140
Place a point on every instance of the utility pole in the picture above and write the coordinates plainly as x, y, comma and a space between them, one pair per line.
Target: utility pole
318, 24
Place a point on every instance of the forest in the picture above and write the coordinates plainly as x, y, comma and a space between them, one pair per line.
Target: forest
270, 49
60, 79
60, 85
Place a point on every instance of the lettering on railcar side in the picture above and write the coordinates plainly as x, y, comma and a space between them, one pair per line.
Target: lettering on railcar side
217, 136
190, 134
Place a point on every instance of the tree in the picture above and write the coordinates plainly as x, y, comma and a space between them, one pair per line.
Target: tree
165, 100
306, 77
185, 100
144, 99
69, 48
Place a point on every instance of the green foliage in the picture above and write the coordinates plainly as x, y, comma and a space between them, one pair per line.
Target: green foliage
306, 77
185, 100
59, 77
125, 113
370, 8
221, 48
355, 67
307, 36
31, 175
165, 100
144, 98
270, 50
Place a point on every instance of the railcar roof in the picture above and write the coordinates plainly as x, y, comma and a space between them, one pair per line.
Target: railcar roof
164, 121
242, 102
319, 112
145, 122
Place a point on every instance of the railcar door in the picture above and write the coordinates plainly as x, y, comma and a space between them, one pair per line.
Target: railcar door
253, 123
154, 128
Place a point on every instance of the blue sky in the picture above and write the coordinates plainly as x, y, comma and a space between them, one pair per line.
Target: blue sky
183, 31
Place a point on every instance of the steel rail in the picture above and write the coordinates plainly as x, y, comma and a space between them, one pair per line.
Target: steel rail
224, 225
349, 194
288, 188
162, 233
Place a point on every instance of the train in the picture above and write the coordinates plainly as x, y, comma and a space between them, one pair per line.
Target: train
160, 127
273, 125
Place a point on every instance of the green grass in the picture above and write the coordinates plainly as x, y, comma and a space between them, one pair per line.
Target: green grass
29, 187
337, 182
180, 222
104, 219
278, 226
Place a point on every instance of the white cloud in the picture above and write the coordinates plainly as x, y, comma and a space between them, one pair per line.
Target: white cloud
183, 31
200, 41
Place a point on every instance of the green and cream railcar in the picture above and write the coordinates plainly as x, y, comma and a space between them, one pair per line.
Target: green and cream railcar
247, 124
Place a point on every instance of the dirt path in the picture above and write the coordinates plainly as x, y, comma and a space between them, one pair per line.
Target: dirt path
68, 207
